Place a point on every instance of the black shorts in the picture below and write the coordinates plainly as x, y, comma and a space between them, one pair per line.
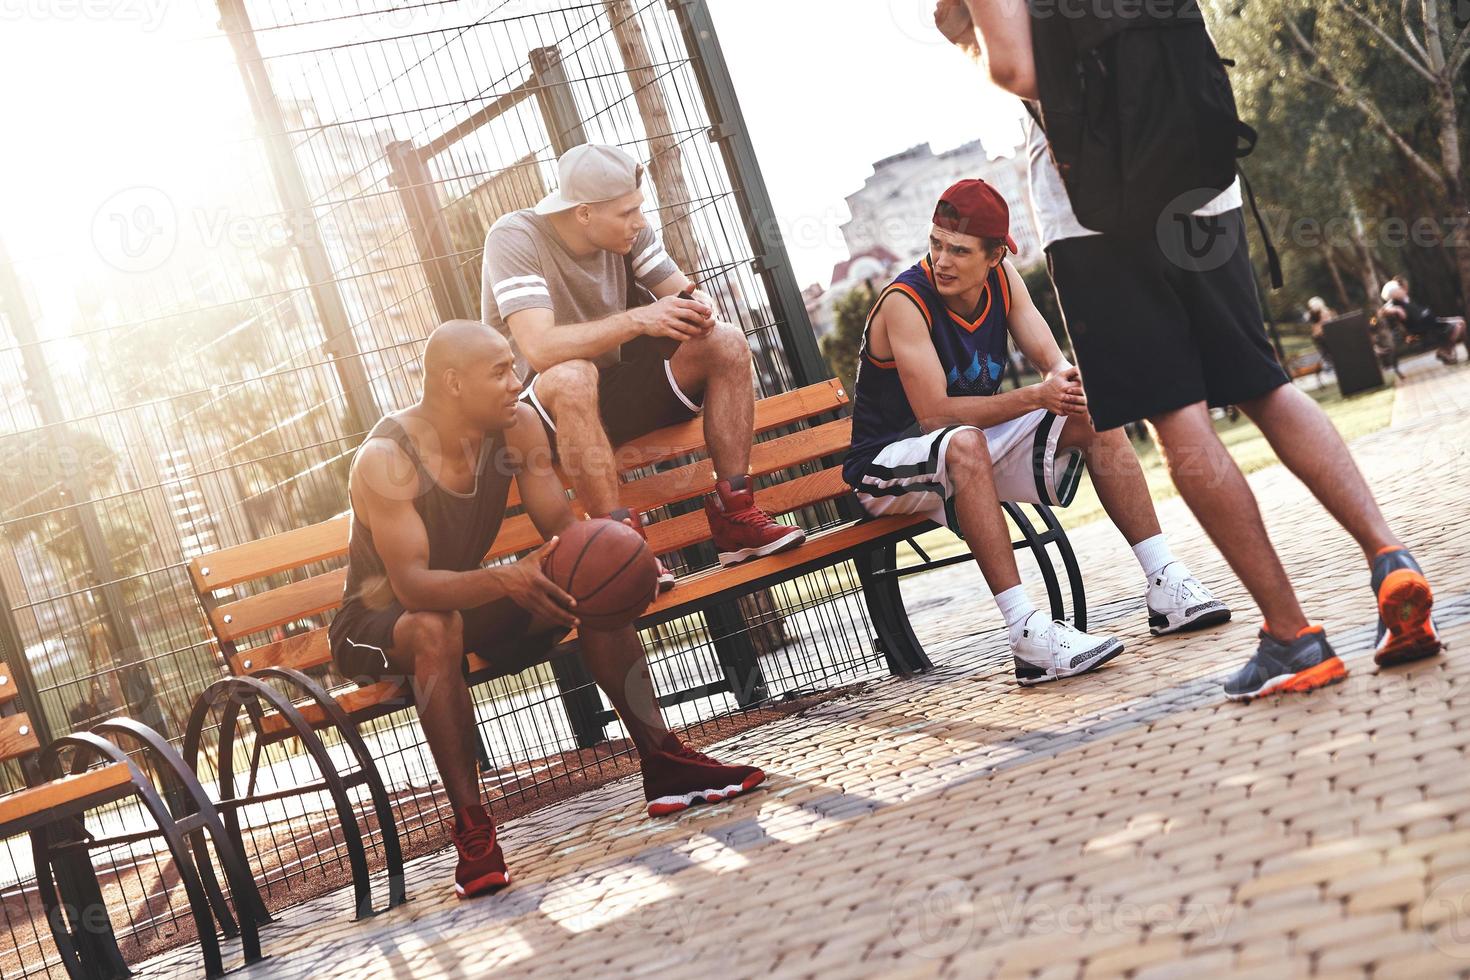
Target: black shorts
634, 397
362, 637
1164, 322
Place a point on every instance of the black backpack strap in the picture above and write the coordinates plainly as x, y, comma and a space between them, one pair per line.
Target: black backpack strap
1273, 261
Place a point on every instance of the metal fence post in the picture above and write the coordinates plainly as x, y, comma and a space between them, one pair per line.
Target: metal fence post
431, 237
728, 129
339, 341
558, 105
579, 695
111, 604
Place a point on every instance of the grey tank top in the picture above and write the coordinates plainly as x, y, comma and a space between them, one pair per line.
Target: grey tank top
461, 527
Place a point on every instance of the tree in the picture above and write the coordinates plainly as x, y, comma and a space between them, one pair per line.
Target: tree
1364, 87
842, 346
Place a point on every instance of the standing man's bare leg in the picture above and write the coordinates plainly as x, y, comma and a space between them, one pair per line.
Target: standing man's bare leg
1305, 439
1217, 492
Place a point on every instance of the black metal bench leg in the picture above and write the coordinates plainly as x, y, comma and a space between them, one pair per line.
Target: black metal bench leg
199, 902
1069, 562
890, 616
1043, 559
579, 698
739, 659
382, 805
231, 692
61, 933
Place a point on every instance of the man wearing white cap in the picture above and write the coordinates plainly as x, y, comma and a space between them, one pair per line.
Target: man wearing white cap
562, 281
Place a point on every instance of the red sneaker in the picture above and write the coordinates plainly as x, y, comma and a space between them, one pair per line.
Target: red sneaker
635, 520
676, 777
742, 530
481, 867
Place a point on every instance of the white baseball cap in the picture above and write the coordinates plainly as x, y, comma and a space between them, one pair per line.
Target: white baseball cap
590, 174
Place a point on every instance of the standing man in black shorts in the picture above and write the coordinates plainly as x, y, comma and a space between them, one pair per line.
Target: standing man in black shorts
429, 489
603, 370
1163, 339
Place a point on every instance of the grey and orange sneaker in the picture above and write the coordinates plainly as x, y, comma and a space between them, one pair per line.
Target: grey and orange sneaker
1405, 627
1304, 664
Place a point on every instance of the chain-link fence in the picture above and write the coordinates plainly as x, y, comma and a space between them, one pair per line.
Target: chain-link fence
213, 379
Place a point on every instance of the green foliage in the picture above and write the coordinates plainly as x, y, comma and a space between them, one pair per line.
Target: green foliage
842, 345
1339, 113
1038, 284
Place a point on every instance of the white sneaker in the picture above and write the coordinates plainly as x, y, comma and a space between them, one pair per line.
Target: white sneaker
1178, 601
1050, 650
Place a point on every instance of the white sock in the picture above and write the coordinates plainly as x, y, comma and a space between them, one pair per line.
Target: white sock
1014, 605
1153, 554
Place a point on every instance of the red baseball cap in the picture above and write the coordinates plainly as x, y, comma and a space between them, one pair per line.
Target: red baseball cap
982, 212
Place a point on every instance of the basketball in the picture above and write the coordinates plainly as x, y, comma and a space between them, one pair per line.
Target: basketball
607, 567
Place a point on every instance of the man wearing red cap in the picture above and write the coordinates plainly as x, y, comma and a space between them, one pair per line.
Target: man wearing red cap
933, 434
1164, 331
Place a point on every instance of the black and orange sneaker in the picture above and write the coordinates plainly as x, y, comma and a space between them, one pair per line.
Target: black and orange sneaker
1405, 627
481, 867
1305, 664
676, 777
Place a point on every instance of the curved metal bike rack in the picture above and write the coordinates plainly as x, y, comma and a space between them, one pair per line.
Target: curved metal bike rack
231, 694
201, 886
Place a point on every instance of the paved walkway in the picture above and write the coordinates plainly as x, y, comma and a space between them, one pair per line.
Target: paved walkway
1130, 823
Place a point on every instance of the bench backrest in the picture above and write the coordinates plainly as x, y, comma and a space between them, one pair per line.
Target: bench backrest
17, 734
234, 618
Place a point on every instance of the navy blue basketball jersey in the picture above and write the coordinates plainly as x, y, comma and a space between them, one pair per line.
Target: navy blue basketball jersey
973, 354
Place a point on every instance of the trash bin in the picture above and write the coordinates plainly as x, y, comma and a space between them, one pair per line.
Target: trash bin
1351, 350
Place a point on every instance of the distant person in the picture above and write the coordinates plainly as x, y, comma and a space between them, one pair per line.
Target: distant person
1318, 314
1418, 320
933, 434
429, 488
1166, 323
601, 370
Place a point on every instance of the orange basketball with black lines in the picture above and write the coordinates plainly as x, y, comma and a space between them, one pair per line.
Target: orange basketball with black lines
606, 566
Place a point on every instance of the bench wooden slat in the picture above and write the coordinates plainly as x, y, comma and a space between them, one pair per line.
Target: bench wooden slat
320, 593
277, 553
690, 590
58, 792
688, 529
17, 736
765, 458
8, 691
277, 607
302, 546
770, 413
353, 701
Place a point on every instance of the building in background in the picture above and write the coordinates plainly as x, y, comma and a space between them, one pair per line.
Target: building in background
894, 206
889, 227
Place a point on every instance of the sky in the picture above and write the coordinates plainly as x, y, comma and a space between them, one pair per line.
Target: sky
111, 98
848, 82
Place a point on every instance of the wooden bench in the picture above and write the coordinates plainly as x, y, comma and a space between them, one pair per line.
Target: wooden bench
807, 436
50, 810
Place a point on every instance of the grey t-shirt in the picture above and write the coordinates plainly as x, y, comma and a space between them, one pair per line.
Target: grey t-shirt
526, 266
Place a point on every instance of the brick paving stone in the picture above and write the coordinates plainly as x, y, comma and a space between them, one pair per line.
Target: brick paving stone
1127, 823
